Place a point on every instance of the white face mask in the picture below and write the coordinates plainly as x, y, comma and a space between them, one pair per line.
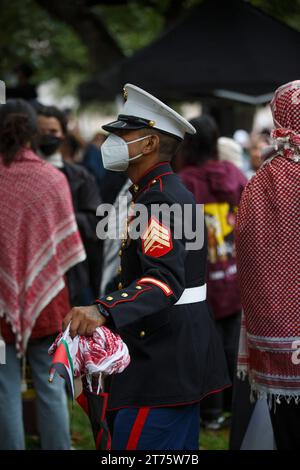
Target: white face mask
115, 154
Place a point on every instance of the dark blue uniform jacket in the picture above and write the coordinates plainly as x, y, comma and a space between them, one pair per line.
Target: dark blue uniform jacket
176, 355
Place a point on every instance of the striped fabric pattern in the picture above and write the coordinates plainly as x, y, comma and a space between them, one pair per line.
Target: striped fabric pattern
39, 241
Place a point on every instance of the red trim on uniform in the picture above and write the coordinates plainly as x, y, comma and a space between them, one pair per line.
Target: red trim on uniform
150, 169
172, 405
149, 183
156, 406
215, 391
162, 285
137, 428
160, 183
156, 178
164, 174
99, 301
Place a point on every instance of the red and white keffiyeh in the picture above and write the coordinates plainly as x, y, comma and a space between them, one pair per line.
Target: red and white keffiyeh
39, 240
285, 107
103, 353
268, 255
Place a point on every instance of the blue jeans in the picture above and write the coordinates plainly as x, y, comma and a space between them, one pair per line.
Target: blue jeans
52, 410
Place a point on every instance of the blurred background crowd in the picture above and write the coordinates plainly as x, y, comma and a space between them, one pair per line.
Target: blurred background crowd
50, 51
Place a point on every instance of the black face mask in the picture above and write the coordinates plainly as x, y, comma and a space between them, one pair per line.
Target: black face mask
49, 144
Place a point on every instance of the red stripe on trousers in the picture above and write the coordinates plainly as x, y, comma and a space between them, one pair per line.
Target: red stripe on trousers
137, 428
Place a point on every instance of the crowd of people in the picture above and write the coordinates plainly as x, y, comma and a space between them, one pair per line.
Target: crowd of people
51, 183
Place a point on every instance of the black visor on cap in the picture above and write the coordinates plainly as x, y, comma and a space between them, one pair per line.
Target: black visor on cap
127, 123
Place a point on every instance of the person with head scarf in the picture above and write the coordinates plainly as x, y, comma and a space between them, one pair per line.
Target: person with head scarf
268, 240
39, 243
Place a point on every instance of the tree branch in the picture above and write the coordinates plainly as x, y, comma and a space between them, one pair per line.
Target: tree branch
103, 50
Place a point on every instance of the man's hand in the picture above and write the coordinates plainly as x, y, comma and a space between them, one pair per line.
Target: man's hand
84, 320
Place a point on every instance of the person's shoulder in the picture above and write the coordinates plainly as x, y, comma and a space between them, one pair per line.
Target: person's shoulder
77, 168
39, 180
45, 172
78, 171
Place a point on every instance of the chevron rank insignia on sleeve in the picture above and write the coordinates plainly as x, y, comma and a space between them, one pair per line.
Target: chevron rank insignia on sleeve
156, 240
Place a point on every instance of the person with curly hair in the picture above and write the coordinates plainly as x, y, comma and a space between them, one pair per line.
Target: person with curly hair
39, 243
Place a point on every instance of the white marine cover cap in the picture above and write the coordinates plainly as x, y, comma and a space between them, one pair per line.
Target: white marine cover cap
142, 110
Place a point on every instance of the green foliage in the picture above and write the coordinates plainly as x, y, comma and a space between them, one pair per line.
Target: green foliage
133, 26
29, 34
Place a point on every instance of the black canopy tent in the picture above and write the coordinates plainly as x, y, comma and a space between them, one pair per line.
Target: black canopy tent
218, 46
227, 49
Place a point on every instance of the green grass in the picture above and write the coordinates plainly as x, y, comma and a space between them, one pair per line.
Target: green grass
82, 437
214, 440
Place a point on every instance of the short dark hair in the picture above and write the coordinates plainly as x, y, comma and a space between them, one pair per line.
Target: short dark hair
202, 146
168, 144
18, 127
53, 111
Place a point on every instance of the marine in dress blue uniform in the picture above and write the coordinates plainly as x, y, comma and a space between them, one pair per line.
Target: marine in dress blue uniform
159, 309
158, 302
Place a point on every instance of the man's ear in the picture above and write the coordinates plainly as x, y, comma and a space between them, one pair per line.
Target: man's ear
151, 144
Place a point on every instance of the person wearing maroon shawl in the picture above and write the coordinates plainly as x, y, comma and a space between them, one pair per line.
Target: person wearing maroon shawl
218, 185
268, 240
39, 243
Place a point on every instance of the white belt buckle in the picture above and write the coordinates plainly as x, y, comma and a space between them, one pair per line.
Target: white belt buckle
192, 295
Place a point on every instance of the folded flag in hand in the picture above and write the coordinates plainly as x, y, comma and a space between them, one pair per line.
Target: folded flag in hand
90, 358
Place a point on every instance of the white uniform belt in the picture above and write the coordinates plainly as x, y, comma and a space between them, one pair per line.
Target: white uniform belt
192, 295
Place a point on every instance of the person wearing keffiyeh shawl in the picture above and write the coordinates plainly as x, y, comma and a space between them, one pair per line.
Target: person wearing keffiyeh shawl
268, 240
39, 243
